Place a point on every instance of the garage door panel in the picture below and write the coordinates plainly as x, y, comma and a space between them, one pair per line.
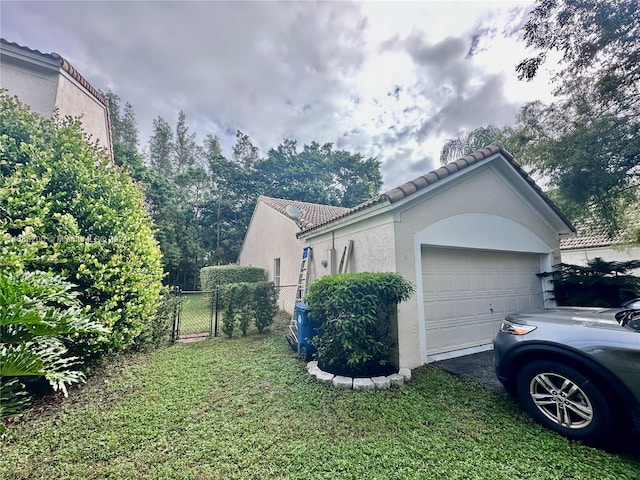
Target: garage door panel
462, 287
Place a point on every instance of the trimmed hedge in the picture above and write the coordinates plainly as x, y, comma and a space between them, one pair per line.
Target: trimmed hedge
357, 313
244, 302
211, 277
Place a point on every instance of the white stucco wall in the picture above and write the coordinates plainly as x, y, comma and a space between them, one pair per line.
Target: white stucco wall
40, 82
272, 235
34, 86
74, 100
372, 250
609, 254
487, 200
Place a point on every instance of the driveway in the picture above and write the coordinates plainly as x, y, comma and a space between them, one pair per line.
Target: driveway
478, 367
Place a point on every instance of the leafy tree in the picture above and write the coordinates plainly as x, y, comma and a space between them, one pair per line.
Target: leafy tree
245, 153
586, 142
318, 174
185, 153
161, 147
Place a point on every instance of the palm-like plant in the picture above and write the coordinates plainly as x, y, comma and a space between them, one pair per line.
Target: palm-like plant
38, 313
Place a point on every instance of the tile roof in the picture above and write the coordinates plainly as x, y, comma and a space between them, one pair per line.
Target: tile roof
313, 213
65, 65
586, 241
398, 193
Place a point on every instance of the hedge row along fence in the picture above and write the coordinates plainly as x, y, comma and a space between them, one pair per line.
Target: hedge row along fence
244, 295
358, 316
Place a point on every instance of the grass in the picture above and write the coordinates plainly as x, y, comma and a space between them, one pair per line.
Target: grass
196, 313
245, 409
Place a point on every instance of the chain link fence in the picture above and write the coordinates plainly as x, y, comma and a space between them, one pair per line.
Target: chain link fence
287, 297
198, 313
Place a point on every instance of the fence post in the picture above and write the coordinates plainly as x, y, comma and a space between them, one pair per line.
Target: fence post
211, 310
217, 307
175, 327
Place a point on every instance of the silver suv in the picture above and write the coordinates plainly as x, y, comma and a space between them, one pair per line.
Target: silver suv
576, 370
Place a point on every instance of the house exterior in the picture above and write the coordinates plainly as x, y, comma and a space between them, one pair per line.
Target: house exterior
586, 246
47, 81
271, 241
471, 236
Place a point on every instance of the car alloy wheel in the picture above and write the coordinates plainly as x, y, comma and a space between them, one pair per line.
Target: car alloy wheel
560, 400
565, 400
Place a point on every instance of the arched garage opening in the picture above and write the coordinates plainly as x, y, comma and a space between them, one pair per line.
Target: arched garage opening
471, 270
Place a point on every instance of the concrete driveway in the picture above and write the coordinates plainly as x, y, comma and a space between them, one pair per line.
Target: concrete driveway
478, 367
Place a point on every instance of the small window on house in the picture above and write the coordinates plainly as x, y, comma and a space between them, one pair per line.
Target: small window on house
276, 272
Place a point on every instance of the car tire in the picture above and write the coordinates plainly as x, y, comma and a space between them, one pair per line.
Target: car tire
565, 400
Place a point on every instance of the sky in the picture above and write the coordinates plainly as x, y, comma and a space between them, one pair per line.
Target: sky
390, 80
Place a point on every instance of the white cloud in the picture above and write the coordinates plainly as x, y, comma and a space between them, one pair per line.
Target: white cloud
392, 80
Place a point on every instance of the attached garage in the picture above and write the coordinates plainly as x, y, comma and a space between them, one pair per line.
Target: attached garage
471, 235
467, 292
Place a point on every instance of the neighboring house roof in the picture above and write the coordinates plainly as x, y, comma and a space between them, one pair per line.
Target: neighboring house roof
398, 193
592, 235
313, 213
65, 65
586, 241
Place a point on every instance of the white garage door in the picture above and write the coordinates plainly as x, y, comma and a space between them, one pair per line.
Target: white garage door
468, 292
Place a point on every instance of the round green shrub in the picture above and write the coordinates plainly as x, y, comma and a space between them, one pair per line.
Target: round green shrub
357, 315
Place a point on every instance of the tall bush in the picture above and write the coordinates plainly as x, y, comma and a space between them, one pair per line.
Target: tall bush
265, 304
211, 277
88, 219
243, 303
357, 313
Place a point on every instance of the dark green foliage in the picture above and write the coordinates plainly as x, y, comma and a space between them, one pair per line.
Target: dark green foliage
243, 303
39, 316
599, 284
318, 174
265, 304
586, 142
456, 148
231, 304
357, 313
159, 332
211, 277
87, 220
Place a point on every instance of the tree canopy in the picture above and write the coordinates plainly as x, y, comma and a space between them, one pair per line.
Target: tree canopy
202, 201
586, 141
584, 144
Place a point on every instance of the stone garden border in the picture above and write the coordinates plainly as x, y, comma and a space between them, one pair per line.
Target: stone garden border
349, 383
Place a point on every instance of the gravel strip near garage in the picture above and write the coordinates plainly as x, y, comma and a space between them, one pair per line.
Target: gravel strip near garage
478, 367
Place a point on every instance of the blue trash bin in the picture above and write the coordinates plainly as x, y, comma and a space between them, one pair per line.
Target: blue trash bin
306, 330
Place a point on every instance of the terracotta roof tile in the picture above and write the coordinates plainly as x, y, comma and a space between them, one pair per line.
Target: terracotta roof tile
398, 193
591, 234
65, 65
586, 241
313, 213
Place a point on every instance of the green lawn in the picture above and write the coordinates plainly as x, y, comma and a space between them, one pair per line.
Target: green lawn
245, 409
195, 314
